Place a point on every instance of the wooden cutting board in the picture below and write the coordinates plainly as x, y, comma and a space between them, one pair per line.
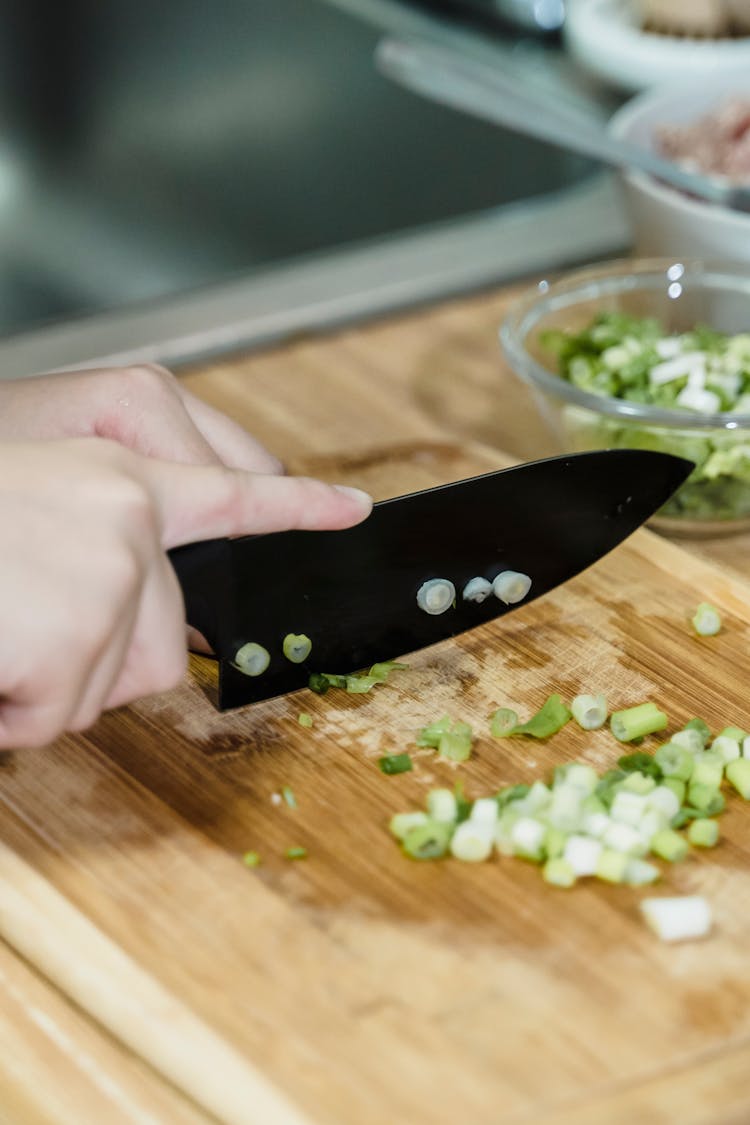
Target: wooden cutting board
365, 988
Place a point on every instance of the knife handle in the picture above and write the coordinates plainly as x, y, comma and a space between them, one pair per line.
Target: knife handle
205, 576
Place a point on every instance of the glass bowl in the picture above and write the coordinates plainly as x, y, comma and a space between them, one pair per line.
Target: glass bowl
681, 295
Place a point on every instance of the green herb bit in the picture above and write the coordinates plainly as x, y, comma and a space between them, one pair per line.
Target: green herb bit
359, 684
549, 719
433, 732
702, 727
635, 722
288, 794
706, 620
380, 672
395, 763
251, 859
428, 841
640, 762
669, 845
319, 682
295, 853
304, 719
503, 722
463, 804
455, 744
703, 833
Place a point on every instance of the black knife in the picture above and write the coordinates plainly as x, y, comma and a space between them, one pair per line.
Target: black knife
354, 592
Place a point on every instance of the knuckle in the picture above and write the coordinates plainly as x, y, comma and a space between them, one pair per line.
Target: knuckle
148, 380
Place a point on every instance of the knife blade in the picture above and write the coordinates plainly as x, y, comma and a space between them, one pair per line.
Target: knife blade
354, 592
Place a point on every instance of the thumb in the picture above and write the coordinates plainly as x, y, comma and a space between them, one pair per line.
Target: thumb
207, 502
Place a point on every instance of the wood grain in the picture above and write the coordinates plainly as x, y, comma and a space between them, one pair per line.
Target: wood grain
367, 988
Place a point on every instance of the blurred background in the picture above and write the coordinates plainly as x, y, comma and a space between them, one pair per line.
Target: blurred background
180, 178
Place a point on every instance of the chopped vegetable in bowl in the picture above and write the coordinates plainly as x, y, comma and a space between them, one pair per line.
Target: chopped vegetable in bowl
651, 354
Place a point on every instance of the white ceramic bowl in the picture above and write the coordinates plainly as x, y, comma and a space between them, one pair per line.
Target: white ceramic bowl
604, 37
665, 221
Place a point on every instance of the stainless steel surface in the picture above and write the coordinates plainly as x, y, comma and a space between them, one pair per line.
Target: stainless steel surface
446, 76
180, 179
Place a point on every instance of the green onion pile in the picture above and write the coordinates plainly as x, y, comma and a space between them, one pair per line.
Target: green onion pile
701, 372
582, 823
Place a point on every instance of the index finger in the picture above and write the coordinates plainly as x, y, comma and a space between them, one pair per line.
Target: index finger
199, 502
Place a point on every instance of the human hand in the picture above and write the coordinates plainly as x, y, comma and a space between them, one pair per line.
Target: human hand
91, 609
144, 408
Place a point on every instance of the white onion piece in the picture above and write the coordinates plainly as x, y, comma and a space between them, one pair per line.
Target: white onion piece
477, 590
675, 919
436, 595
511, 586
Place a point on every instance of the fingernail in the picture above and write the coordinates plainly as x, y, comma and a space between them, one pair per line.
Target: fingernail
355, 494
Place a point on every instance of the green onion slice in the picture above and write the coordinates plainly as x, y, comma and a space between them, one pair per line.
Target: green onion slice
296, 647
394, 763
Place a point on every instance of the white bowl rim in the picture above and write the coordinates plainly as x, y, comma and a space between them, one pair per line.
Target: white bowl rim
627, 412
623, 118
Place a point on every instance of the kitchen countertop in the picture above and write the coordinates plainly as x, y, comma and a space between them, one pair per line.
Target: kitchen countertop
415, 385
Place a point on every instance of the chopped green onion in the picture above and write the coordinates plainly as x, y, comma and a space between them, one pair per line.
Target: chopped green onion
431, 734
577, 775
558, 873
612, 866
288, 795
251, 659
640, 763
455, 744
428, 841
675, 761
360, 685
703, 728
690, 740
737, 733
701, 796
664, 800
472, 842
554, 843
726, 747
549, 719
675, 919
706, 620
638, 873
402, 823
511, 586
503, 722
304, 719
589, 711
442, 806
679, 788
638, 782
436, 596
669, 845
707, 773
738, 772
251, 859
511, 793
394, 763
381, 671
635, 722
703, 833
295, 853
463, 805
477, 590
583, 853
528, 836
296, 647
